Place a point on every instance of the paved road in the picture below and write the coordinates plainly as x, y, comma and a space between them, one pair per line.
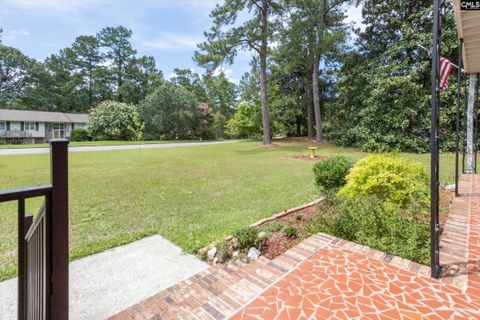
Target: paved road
117, 147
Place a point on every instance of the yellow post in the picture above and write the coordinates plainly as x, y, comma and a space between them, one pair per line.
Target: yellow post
312, 152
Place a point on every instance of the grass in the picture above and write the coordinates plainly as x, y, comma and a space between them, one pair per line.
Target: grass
92, 143
191, 196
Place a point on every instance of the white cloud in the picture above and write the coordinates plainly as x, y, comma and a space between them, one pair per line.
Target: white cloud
14, 34
227, 72
172, 41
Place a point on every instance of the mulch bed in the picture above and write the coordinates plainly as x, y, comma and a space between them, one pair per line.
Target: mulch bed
278, 242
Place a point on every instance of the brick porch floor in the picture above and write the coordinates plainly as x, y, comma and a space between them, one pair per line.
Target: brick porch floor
329, 278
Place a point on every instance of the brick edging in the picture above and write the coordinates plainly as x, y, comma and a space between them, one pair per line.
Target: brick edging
287, 212
268, 219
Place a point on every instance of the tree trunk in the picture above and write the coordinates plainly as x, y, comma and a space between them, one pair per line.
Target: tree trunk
316, 99
120, 80
90, 94
267, 138
470, 126
310, 116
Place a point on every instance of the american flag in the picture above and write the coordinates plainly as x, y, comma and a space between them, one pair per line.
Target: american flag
445, 69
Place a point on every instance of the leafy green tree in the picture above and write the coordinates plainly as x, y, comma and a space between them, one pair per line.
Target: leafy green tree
137, 129
169, 112
192, 82
246, 123
384, 85
67, 89
317, 27
24, 82
227, 37
111, 120
222, 94
119, 52
88, 60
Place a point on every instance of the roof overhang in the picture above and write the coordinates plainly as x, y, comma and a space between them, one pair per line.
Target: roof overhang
468, 29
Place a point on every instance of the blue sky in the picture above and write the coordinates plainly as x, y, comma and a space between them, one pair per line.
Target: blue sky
168, 30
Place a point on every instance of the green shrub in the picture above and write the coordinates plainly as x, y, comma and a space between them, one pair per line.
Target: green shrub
79, 134
376, 224
330, 173
272, 227
389, 178
110, 120
290, 231
247, 237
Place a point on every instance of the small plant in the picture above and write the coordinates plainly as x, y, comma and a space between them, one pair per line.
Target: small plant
290, 231
247, 237
330, 173
273, 226
390, 178
377, 224
223, 252
299, 217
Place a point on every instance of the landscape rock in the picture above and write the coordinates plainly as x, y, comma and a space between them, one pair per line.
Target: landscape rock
234, 242
215, 260
211, 253
253, 253
262, 235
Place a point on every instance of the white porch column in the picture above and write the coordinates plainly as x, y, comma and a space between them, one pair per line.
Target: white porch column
470, 118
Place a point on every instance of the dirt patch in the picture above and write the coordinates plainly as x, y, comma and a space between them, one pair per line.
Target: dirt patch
308, 158
277, 244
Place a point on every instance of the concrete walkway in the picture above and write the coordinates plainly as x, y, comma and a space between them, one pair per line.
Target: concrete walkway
106, 283
117, 147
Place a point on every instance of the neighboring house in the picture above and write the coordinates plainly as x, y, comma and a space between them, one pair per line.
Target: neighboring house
23, 126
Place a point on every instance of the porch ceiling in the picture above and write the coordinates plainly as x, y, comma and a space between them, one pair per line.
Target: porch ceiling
468, 28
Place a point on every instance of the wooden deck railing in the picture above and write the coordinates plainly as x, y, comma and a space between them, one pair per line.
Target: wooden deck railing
43, 243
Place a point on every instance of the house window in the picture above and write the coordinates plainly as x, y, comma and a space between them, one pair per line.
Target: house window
3, 126
58, 130
30, 126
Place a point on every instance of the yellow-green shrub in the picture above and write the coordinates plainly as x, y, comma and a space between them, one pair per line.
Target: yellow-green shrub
389, 178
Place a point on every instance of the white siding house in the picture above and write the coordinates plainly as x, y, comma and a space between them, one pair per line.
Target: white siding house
22, 126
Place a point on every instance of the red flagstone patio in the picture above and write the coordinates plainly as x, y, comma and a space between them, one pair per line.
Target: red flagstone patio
329, 278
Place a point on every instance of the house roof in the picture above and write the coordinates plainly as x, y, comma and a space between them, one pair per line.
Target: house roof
42, 116
468, 27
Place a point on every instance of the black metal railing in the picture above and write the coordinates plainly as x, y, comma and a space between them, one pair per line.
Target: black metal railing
43, 243
439, 6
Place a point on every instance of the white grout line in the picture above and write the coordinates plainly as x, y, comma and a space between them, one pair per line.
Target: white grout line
281, 277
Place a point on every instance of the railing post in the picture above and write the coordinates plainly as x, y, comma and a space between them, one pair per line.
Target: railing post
24, 304
22, 258
435, 142
58, 235
457, 124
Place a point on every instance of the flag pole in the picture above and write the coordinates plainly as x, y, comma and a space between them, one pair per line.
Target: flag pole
430, 53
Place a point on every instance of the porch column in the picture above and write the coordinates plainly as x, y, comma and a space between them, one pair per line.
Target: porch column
470, 127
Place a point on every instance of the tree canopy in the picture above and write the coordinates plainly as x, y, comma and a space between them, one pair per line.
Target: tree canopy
312, 73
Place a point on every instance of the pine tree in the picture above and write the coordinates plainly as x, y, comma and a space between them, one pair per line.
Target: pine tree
226, 38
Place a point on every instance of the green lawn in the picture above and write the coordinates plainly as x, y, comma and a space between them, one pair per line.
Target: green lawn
92, 143
191, 196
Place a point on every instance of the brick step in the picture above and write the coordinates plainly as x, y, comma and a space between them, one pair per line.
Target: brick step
221, 290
